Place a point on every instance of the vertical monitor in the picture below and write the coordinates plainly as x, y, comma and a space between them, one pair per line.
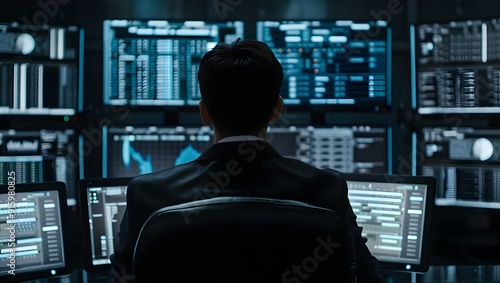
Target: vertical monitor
41, 69
455, 67
466, 163
132, 151
394, 212
350, 149
33, 231
155, 62
40, 156
341, 64
102, 205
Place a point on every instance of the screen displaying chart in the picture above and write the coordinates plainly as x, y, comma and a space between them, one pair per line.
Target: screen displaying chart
132, 151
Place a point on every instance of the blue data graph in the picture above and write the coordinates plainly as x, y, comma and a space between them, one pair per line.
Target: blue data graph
141, 151
187, 154
129, 153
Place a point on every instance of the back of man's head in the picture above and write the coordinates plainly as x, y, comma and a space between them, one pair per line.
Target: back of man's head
240, 85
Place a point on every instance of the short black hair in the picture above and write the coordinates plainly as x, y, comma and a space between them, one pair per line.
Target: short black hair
240, 85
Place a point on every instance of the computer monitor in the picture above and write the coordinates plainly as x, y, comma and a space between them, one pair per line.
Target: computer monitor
132, 151
33, 231
465, 161
155, 62
395, 213
455, 66
332, 63
41, 69
350, 149
41, 156
102, 205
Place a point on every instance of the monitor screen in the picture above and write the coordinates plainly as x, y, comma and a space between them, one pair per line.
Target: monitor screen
465, 161
102, 205
33, 231
156, 62
335, 63
394, 212
41, 69
455, 67
350, 149
131, 151
40, 156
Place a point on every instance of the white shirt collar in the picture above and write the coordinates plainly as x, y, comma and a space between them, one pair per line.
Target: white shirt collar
240, 138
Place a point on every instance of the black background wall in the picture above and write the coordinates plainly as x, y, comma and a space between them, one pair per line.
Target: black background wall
460, 235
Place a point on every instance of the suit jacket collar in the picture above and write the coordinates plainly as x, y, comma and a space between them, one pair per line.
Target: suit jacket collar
239, 150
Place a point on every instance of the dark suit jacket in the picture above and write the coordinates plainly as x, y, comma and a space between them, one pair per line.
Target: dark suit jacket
246, 168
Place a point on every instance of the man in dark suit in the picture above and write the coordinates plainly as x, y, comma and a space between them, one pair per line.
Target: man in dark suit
240, 85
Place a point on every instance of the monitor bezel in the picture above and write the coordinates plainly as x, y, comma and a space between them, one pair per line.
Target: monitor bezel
83, 186
68, 267
430, 182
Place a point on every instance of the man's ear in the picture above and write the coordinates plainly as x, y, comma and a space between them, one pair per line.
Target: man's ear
277, 110
205, 117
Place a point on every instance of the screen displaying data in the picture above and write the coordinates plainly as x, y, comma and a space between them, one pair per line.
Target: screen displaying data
106, 206
393, 216
456, 67
350, 149
132, 151
466, 163
341, 63
36, 226
41, 70
156, 62
40, 156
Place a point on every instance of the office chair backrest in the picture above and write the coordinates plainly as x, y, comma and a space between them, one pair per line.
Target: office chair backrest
244, 239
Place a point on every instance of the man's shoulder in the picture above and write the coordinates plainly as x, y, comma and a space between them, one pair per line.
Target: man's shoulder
161, 176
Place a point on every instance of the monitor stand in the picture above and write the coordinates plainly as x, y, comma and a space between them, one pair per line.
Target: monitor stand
413, 277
